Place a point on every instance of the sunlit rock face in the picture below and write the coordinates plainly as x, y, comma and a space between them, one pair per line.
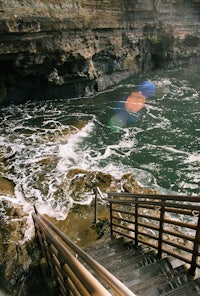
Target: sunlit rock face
62, 49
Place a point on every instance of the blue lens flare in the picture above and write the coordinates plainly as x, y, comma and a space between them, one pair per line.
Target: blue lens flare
147, 88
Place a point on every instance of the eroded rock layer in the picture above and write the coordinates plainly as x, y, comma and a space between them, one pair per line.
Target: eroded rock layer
62, 49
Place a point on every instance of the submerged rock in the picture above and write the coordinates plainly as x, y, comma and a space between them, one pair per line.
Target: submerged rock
129, 184
82, 184
6, 186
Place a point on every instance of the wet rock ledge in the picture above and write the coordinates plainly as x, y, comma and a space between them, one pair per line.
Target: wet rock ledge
62, 49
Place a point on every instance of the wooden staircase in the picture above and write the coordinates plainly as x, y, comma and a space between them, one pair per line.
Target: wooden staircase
146, 254
141, 270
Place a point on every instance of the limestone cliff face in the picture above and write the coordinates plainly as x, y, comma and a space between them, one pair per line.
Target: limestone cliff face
67, 48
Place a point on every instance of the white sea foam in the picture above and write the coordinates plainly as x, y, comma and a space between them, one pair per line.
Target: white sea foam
13, 200
118, 170
70, 152
190, 185
27, 209
192, 158
162, 82
174, 150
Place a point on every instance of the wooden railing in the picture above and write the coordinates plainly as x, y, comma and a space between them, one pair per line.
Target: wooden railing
72, 277
170, 224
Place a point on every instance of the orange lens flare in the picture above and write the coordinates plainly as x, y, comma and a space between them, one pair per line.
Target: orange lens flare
135, 102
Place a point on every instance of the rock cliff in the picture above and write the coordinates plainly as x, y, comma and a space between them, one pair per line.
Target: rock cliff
62, 49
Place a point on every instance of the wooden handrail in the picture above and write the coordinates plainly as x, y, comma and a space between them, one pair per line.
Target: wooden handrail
63, 261
165, 197
154, 212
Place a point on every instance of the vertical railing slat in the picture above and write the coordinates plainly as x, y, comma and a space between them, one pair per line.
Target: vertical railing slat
161, 226
136, 223
111, 220
95, 205
195, 249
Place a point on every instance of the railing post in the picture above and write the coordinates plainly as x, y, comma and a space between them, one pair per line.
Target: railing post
35, 209
195, 249
95, 205
160, 238
111, 220
136, 224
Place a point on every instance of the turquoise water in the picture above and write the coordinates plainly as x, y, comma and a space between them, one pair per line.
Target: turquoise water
42, 140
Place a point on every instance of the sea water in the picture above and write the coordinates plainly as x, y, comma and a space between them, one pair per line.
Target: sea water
41, 141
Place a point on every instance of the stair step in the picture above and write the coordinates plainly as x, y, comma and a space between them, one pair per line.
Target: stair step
114, 244
103, 243
155, 286
109, 256
147, 287
179, 276
133, 277
191, 288
130, 261
114, 252
116, 258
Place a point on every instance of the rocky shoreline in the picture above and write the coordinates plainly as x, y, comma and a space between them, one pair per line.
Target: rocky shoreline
19, 260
